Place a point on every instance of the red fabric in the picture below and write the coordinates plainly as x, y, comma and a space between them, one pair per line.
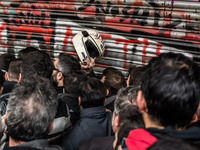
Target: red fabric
139, 139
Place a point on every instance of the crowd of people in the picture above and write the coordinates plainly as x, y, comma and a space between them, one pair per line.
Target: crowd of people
62, 105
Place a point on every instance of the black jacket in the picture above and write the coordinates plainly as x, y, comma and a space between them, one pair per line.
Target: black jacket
8, 86
72, 102
97, 143
110, 100
191, 134
94, 122
41, 144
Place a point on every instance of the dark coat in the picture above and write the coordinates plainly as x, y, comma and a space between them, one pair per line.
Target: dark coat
97, 143
72, 102
41, 144
94, 122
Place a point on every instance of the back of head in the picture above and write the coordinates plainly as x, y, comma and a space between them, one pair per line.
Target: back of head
31, 109
172, 144
73, 81
114, 80
93, 93
37, 62
125, 106
14, 70
5, 60
22, 53
171, 88
67, 64
135, 75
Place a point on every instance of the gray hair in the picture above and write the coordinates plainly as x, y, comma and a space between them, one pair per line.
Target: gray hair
31, 109
126, 96
125, 106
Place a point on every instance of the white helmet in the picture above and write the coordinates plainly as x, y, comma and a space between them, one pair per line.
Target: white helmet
88, 43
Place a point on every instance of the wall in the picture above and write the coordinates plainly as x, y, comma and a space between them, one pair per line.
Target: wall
133, 30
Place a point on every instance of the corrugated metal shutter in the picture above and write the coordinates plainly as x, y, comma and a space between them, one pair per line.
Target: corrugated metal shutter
133, 30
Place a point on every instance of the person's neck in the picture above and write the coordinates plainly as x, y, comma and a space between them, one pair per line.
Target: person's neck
152, 124
60, 83
149, 123
14, 143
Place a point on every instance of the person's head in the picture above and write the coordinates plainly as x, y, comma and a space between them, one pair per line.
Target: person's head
5, 60
14, 70
31, 109
22, 53
73, 81
2, 79
135, 75
93, 93
64, 65
170, 91
125, 108
172, 144
123, 132
37, 62
113, 80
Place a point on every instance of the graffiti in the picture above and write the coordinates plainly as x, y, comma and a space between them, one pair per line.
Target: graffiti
134, 31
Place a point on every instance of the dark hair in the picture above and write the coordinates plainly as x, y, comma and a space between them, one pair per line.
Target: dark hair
2, 79
22, 53
72, 82
93, 93
172, 144
123, 132
14, 69
67, 64
136, 74
31, 109
37, 62
5, 60
171, 88
114, 80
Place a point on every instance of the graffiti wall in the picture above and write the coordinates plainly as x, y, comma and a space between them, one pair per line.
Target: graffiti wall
133, 30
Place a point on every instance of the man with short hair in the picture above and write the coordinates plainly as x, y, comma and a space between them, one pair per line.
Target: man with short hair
113, 80
13, 78
94, 121
168, 100
64, 65
39, 63
30, 114
12, 75
72, 84
125, 112
5, 60
135, 75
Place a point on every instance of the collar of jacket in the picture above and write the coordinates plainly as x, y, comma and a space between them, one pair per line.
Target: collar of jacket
93, 112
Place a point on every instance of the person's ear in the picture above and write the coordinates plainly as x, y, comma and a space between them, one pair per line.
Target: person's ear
6, 76
116, 121
105, 100
20, 78
103, 79
141, 102
51, 127
128, 80
194, 118
79, 100
59, 76
1, 90
107, 92
5, 119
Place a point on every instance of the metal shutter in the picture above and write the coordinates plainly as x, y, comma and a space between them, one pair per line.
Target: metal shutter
133, 30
